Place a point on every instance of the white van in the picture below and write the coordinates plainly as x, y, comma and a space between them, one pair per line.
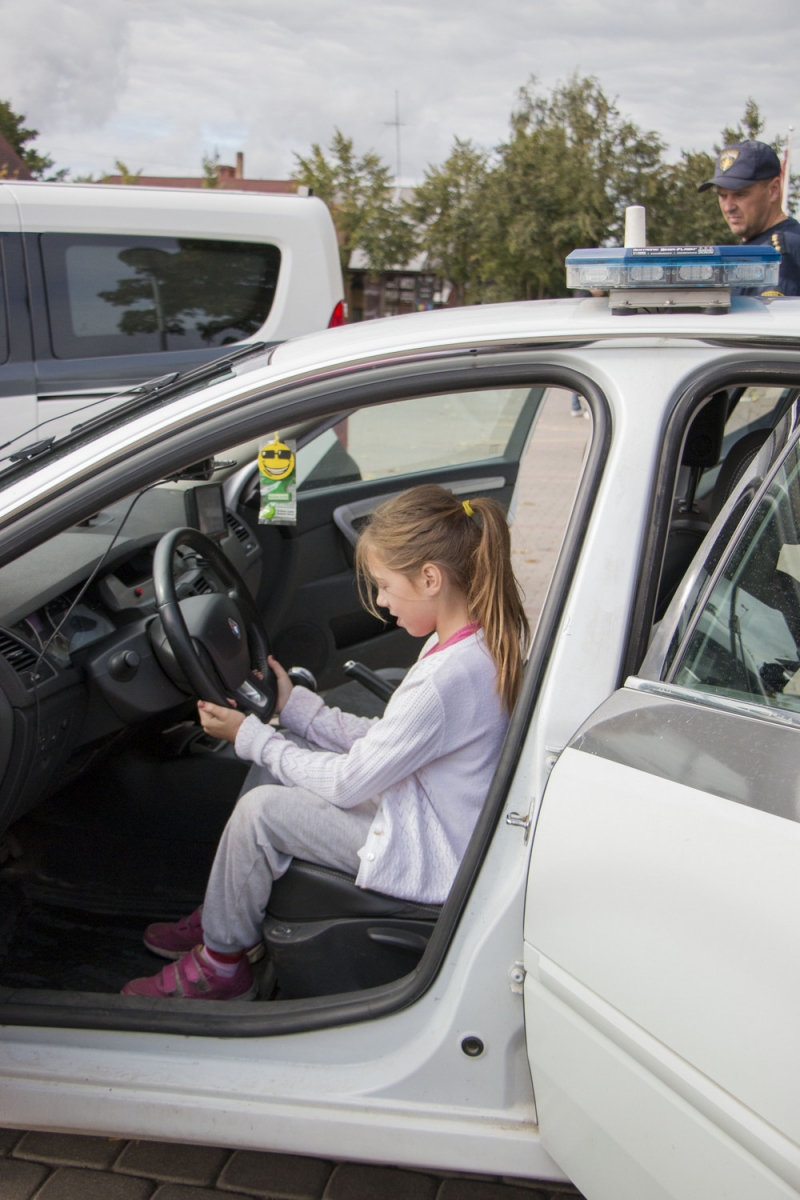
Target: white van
102, 287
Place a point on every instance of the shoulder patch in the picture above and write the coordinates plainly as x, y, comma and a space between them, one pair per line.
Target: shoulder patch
779, 242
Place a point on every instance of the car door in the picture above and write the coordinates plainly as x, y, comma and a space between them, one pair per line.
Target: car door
469, 441
17, 387
662, 923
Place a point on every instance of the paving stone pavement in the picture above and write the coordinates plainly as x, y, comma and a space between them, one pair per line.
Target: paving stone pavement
548, 478
62, 1166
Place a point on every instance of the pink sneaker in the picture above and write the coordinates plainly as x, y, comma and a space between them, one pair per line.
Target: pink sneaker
173, 939
191, 978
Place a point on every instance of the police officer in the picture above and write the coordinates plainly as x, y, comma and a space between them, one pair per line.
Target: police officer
748, 183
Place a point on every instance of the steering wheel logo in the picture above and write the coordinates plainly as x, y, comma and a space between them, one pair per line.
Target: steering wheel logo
237, 631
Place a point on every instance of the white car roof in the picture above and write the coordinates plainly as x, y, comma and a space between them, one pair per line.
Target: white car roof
534, 321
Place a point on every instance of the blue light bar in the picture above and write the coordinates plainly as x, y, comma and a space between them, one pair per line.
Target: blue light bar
673, 266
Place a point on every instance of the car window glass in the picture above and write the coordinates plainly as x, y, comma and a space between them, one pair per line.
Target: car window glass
420, 434
3, 315
112, 294
746, 642
756, 408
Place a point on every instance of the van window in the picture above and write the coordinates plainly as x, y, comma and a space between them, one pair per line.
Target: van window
3, 314
113, 294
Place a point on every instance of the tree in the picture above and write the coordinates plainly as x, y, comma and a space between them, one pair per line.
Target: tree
210, 175
678, 214
563, 179
447, 208
360, 196
751, 126
681, 214
126, 175
13, 130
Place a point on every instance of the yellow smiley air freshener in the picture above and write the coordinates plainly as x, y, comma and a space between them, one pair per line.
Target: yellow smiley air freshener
277, 468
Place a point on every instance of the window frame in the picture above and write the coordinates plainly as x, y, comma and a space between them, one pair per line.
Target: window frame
658, 671
734, 542
638, 660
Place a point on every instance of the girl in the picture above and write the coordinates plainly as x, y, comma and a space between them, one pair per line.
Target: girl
395, 798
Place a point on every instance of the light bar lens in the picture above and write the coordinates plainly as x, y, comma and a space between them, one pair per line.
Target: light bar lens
649, 274
695, 273
673, 266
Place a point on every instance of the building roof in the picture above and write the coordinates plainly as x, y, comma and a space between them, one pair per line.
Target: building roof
284, 186
11, 165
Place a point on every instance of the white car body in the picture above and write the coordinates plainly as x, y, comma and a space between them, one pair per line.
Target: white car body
628, 951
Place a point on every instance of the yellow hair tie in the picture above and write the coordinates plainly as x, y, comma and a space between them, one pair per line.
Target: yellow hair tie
467, 507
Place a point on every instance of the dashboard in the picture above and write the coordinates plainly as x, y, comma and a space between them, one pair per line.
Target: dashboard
60, 699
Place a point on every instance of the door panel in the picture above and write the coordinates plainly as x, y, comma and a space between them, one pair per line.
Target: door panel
308, 593
663, 943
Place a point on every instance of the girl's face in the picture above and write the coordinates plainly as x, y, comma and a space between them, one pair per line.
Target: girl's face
414, 601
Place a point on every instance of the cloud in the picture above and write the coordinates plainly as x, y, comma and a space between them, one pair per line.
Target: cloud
158, 85
64, 64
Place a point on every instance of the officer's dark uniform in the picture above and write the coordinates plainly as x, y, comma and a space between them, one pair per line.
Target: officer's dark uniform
738, 166
785, 236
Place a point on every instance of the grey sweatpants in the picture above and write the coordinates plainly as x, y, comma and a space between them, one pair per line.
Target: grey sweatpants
269, 826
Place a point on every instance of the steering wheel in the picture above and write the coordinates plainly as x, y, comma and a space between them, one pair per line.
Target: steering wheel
213, 644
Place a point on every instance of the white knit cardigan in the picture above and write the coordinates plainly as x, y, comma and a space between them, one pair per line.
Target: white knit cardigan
427, 763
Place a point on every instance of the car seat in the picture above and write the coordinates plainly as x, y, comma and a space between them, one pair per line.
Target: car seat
325, 935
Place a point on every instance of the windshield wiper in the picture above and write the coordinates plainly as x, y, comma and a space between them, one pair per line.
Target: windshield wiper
32, 451
148, 385
142, 395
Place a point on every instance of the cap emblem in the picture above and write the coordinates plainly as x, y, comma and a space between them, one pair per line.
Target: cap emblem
727, 159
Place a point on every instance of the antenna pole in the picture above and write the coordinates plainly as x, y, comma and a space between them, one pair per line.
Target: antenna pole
397, 125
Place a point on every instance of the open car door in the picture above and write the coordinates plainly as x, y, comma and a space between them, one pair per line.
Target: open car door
662, 924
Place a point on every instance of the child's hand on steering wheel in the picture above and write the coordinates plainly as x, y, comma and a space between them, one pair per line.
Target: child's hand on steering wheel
285, 685
220, 722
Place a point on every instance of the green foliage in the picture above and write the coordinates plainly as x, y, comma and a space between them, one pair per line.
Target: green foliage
12, 129
126, 175
678, 214
563, 179
360, 196
751, 126
210, 176
448, 211
571, 165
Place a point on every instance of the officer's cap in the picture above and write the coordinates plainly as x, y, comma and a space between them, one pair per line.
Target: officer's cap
741, 164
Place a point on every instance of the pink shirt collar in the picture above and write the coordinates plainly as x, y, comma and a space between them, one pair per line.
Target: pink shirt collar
460, 634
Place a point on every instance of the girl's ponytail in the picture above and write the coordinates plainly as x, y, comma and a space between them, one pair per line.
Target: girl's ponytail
494, 598
470, 540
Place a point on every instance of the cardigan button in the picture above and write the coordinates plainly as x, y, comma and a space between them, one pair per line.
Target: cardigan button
371, 857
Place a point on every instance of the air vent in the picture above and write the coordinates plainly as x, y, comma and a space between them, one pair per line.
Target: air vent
201, 587
23, 659
236, 527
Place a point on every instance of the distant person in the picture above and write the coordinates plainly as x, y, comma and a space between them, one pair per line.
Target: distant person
748, 183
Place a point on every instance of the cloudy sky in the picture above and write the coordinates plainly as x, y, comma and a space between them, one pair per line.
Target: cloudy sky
158, 83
